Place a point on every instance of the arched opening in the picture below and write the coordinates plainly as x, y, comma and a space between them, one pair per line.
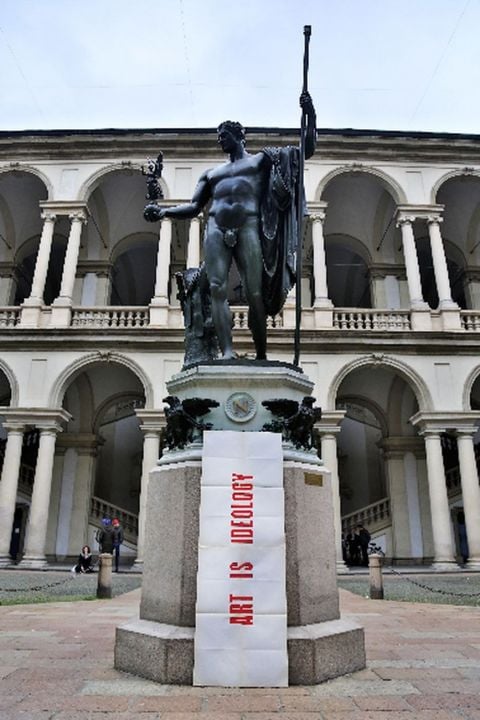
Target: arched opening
20, 220
133, 272
359, 233
347, 274
382, 463
25, 266
461, 232
99, 458
456, 273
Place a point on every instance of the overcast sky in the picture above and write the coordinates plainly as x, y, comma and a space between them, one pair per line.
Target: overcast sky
379, 64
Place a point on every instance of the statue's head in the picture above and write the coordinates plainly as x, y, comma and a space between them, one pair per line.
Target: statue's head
230, 129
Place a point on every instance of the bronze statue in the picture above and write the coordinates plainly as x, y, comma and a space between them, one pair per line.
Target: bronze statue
194, 294
183, 425
294, 420
251, 219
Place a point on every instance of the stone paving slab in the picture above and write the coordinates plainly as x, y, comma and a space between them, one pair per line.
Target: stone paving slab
56, 663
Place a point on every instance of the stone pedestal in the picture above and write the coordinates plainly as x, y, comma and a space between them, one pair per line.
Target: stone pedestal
159, 645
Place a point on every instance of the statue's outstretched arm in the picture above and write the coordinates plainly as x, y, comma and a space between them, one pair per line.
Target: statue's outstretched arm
200, 198
306, 104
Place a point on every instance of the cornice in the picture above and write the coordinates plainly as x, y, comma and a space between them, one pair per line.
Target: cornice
339, 145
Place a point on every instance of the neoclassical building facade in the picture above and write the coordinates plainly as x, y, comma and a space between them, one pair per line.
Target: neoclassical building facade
91, 330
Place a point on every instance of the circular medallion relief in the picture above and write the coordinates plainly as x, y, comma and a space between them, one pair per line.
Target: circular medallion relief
240, 407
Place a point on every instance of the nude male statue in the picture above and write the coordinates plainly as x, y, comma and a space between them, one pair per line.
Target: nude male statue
252, 220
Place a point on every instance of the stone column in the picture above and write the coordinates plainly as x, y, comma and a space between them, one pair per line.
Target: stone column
151, 453
329, 457
319, 261
322, 305
8, 281
43, 257
34, 556
8, 487
471, 493
160, 301
411, 263
32, 305
437, 488
193, 250
62, 306
440, 264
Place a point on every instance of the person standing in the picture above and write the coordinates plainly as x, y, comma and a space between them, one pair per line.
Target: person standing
363, 543
105, 536
117, 540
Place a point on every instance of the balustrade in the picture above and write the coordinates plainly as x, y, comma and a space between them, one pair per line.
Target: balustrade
396, 320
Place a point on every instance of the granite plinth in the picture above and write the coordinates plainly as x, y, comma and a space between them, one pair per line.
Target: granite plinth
160, 644
164, 653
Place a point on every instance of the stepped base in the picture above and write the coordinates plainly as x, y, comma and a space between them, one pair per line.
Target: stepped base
165, 653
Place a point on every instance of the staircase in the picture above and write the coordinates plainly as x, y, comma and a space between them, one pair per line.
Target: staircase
375, 517
129, 521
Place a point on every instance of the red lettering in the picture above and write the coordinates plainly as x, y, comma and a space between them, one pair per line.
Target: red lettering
241, 620
242, 486
242, 496
239, 476
242, 514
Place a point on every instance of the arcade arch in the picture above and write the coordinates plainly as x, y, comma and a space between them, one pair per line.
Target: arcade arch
360, 236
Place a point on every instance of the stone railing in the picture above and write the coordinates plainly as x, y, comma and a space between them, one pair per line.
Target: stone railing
470, 320
373, 516
240, 319
110, 317
9, 317
344, 319
129, 521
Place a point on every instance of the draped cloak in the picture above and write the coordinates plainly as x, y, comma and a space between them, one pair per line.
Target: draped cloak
278, 227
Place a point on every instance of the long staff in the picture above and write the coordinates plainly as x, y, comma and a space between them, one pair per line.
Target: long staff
307, 31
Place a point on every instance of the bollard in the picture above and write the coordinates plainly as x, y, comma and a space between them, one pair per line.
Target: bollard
104, 586
376, 578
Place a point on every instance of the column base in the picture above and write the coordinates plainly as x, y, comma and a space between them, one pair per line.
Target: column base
450, 315
165, 653
445, 566
30, 313
33, 562
158, 313
61, 313
323, 315
420, 318
342, 568
473, 564
137, 567
6, 561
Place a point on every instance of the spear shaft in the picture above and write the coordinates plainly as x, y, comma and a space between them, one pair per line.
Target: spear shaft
307, 31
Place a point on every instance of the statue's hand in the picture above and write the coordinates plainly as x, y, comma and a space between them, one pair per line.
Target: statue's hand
153, 212
306, 102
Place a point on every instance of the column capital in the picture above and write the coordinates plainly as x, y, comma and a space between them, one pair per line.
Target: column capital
64, 207
318, 216
151, 421
36, 417
48, 216
419, 212
330, 422
434, 219
404, 220
79, 215
440, 422
14, 427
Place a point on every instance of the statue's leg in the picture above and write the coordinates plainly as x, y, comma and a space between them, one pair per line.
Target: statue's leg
218, 259
248, 255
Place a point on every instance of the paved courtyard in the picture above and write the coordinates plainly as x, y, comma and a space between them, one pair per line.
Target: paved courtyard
423, 663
